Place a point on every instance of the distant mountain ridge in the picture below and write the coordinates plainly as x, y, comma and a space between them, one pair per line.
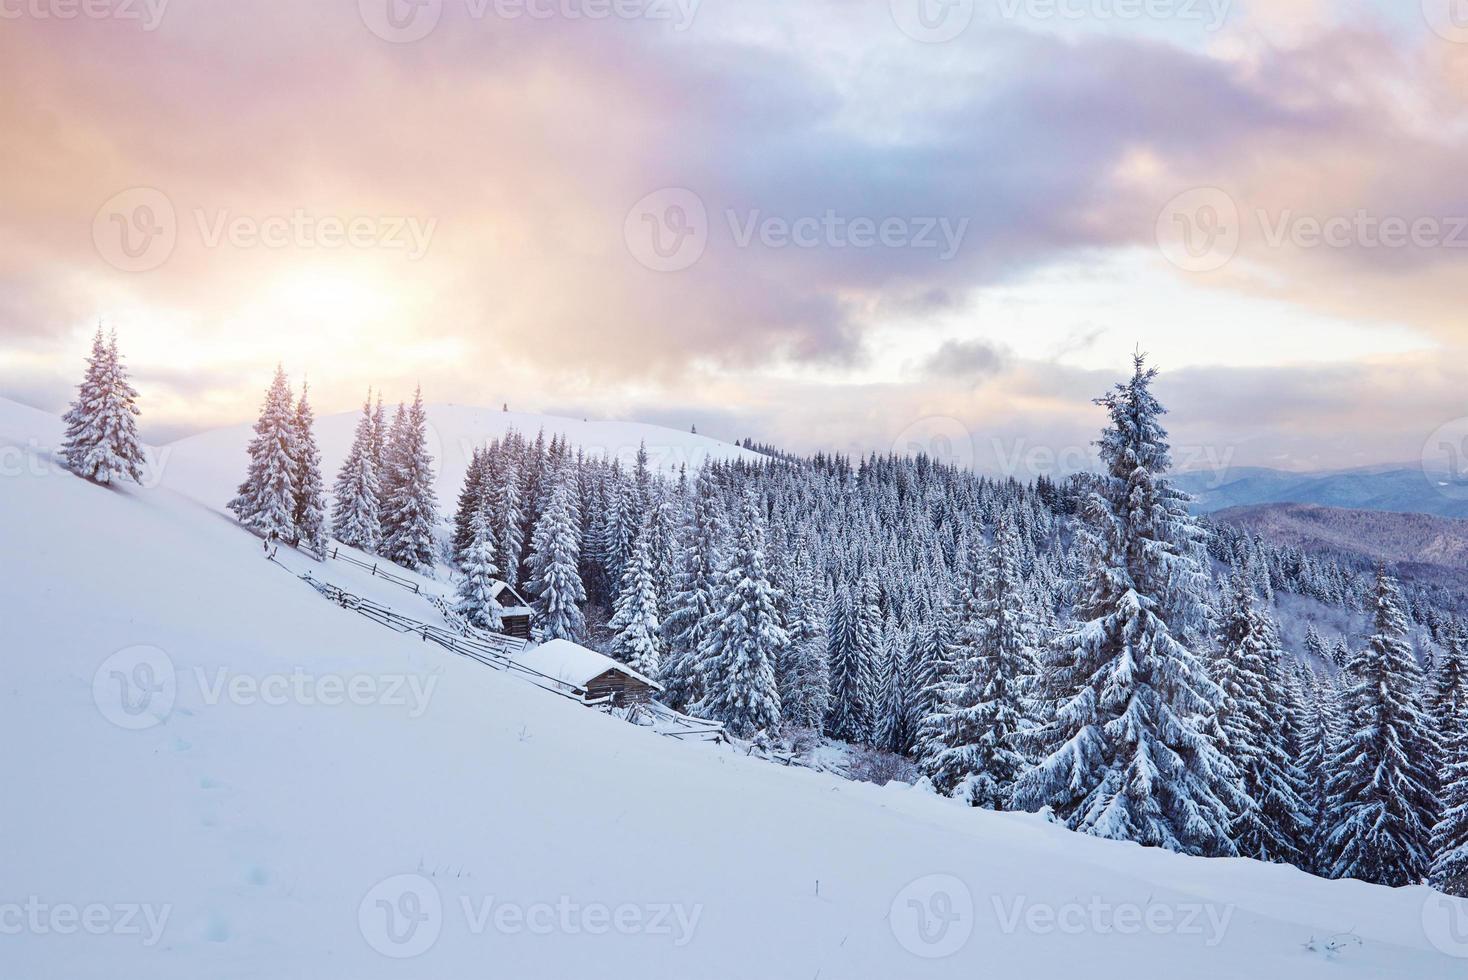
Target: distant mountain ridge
1400, 488
1424, 547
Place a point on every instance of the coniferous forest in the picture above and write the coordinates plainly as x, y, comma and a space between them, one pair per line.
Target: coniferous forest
1085, 648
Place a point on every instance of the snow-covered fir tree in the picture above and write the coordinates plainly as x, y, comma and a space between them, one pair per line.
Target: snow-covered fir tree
409, 504
555, 549
1381, 789
476, 600
507, 517
850, 654
971, 741
690, 614
636, 639
309, 516
354, 516
1128, 754
745, 638
101, 442
1321, 738
1274, 823
1449, 842
266, 500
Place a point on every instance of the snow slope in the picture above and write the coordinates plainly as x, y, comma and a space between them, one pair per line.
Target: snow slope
210, 465
174, 748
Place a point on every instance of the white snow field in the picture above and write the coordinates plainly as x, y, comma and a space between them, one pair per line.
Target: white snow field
207, 466
210, 771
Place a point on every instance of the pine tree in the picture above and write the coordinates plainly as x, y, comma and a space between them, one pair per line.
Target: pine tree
637, 641
354, 516
507, 519
1447, 705
1128, 754
850, 652
101, 431
554, 552
1322, 733
971, 742
309, 516
746, 638
896, 725
410, 507
1273, 823
476, 590
266, 501
467, 512
692, 606
1381, 798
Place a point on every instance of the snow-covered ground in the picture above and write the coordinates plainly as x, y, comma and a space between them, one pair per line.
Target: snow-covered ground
210, 771
209, 466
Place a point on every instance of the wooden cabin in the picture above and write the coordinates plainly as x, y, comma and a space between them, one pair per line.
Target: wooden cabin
598, 675
515, 612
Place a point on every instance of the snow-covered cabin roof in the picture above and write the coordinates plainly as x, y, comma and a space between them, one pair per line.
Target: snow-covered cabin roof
511, 602
575, 664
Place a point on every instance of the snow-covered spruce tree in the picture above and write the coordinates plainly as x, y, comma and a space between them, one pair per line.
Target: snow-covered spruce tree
970, 745
745, 638
310, 510
555, 549
410, 507
1449, 870
804, 682
1128, 754
636, 640
1273, 822
471, 498
896, 728
701, 555
507, 518
1321, 737
354, 515
266, 501
476, 600
101, 429
931, 663
850, 652
1381, 790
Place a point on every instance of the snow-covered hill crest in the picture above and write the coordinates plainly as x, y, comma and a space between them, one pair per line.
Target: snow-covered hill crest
209, 466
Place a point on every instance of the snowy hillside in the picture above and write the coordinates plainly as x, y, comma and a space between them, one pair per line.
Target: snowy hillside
211, 771
208, 466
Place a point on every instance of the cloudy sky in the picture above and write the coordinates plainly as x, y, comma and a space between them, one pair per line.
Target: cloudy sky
843, 224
